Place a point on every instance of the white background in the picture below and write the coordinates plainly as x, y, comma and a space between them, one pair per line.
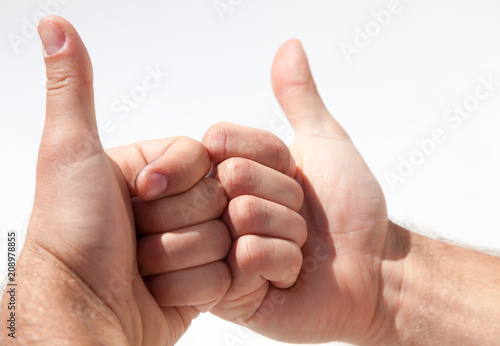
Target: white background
395, 91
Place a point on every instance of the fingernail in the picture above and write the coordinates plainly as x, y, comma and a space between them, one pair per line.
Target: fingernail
53, 38
156, 185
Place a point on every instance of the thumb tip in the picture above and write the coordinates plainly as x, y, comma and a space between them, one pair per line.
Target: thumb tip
64, 50
296, 91
290, 66
292, 45
51, 30
70, 103
60, 40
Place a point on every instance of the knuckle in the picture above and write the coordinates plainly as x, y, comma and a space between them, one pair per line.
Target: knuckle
301, 194
163, 251
302, 231
250, 252
59, 80
222, 237
291, 263
216, 194
297, 258
200, 154
197, 148
129, 160
298, 195
279, 154
185, 139
61, 77
246, 212
237, 175
186, 171
295, 267
216, 139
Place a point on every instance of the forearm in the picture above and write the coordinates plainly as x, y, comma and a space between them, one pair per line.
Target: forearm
54, 306
448, 295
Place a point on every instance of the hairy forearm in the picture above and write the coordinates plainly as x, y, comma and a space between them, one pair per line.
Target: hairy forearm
55, 307
448, 295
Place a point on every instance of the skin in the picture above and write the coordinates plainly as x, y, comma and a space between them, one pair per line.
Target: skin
262, 216
364, 279
356, 277
78, 274
339, 288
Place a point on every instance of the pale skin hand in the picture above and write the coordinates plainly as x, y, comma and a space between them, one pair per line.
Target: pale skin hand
364, 280
59, 274
255, 169
337, 292
78, 275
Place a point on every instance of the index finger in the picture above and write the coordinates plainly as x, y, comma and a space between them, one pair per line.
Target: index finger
225, 140
161, 167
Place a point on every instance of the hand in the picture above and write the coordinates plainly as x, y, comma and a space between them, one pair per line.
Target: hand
182, 246
339, 293
78, 273
262, 216
255, 169
181, 242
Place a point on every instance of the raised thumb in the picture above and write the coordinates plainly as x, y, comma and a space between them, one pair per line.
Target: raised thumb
297, 94
70, 132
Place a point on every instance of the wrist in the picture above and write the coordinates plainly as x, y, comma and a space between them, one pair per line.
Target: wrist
54, 305
384, 329
437, 293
